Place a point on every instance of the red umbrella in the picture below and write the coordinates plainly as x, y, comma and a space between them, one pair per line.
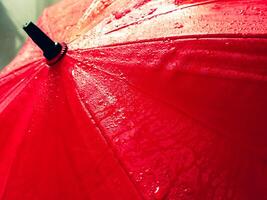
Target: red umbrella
153, 100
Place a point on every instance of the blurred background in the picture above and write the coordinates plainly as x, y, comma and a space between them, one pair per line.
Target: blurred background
13, 15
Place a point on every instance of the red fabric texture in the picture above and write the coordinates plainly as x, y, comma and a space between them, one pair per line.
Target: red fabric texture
175, 114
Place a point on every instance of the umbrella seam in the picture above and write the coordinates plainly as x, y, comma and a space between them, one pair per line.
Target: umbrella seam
19, 146
200, 123
181, 37
24, 67
230, 74
102, 132
159, 101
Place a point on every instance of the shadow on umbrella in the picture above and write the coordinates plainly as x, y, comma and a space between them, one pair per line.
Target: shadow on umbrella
8, 35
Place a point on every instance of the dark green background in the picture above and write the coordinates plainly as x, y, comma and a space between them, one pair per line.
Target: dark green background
13, 14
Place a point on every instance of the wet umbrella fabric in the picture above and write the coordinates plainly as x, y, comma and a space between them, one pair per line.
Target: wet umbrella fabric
153, 100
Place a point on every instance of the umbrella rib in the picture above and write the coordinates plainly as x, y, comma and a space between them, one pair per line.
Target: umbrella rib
101, 131
13, 92
91, 115
159, 101
148, 95
199, 122
3, 192
18, 70
261, 36
232, 74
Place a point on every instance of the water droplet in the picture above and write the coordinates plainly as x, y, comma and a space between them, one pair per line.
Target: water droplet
111, 99
119, 110
117, 140
156, 190
147, 170
109, 21
173, 49
78, 63
178, 25
140, 177
101, 101
177, 2
167, 40
152, 11
73, 72
123, 142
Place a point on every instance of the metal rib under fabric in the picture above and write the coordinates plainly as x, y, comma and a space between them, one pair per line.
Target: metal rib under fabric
154, 100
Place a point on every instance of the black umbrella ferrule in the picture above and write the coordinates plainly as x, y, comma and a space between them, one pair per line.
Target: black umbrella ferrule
50, 48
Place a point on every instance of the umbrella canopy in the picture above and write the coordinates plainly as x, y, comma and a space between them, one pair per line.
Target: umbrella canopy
153, 100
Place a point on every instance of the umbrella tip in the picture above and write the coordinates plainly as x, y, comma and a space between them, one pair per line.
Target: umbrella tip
51, 50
